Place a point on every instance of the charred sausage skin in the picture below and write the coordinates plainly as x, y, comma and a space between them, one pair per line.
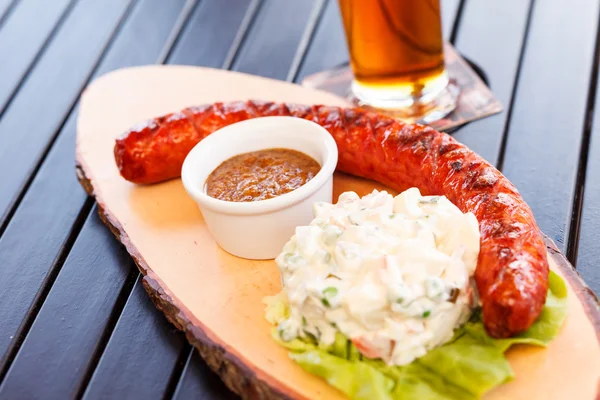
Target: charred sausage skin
512, 270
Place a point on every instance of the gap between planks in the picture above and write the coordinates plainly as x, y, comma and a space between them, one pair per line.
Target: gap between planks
572, 239
8, 11
124, 294
36, 58
513, 96
457, 19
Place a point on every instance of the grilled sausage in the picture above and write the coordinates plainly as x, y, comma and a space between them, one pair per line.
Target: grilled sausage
512, 270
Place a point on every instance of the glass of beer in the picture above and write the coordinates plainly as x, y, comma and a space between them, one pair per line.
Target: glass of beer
397, 56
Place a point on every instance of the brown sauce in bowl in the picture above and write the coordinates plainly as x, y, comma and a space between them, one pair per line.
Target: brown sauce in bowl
261, 175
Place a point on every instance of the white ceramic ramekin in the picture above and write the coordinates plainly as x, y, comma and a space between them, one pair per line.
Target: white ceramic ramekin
258, 230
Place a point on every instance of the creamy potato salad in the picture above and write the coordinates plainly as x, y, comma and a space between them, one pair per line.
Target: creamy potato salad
392, 274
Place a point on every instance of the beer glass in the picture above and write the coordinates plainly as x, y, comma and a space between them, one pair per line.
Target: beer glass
397, 56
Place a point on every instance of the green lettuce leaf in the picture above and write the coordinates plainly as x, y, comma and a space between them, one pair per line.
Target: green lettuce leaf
542, 331
415, 381
356, 379
471, 364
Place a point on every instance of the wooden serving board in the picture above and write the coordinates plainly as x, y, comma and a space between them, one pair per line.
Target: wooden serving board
215, 297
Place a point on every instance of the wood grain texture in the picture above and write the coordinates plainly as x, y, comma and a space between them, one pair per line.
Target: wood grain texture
548, 118
491, 34
41, 239
211, 294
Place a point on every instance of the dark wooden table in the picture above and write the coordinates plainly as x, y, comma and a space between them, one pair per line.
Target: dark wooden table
74, 318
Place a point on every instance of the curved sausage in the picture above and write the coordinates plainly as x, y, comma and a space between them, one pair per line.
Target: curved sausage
512, 270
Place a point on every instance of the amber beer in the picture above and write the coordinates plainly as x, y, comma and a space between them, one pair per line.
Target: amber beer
396, 48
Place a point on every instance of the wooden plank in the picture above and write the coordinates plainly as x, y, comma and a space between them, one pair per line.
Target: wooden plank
492, 34
211, 32
200, 382
59, 344
588, 252
270, 45
141, 354
450, 16
21, 42
328, 48
35, 236
49, 92
548, 114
